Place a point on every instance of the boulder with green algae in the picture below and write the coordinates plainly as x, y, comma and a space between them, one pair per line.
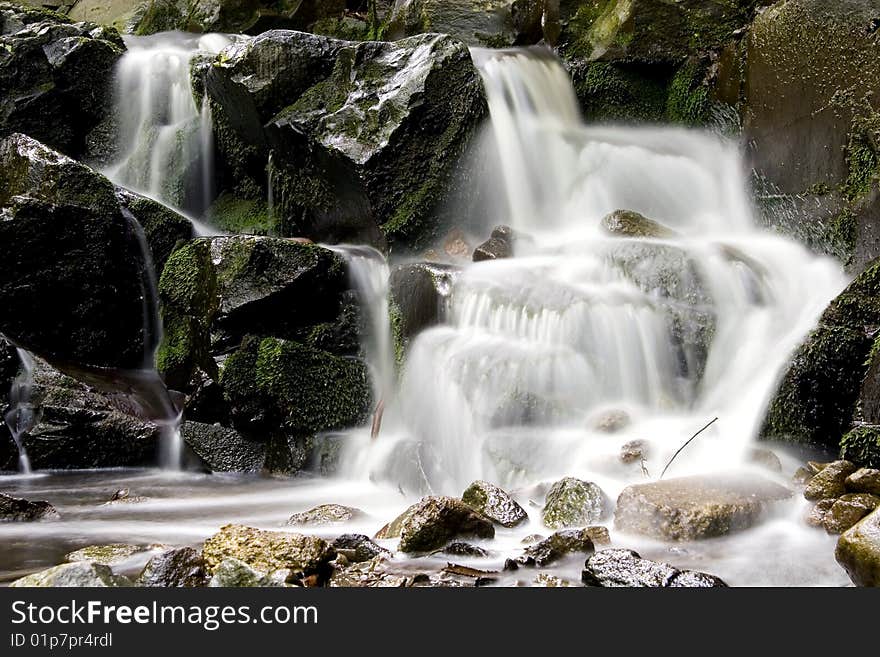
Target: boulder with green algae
73, 288
864, 480
16, 509
78, 574
364, 137
858, 551
107, 555
163, 228
698, 507
233, 573
326, 514
830, 481
807, 71
434, 521
267, 550
816, 400
180, 567
572, 502
558, 546
847, 510
494, 503
625, 568
56, 76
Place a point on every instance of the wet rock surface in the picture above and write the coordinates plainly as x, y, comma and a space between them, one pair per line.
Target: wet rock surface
326, 514
858, 551
494, 503
847, 510
625, 568
698, 507
16, 509
180, 567
78, 574
830, 481
558, 546
628, 223
107, 555
864, 480
358, 547
571, 502
434, 521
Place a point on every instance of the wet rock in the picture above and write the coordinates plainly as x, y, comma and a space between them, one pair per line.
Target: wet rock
847, 510
456, 246
815, 467
107, 555
599, 535
434, 521
73, 288
493, 249
223, 449
267, 550
163, 228
858, 551
571, 502
627, 223
368, 574
16, 509
817, 397
612, 421
864, 480
691, 508
56, 75
475, 22
532, 538
559, 545
802, 476
233, 573
494, 503
816, 517
180, 567
547, 580
78, 574
357, 548
419, 291
634, 451
462, 549
326, 514
364, 137
830, 481
625, 568
765, 458
124, 496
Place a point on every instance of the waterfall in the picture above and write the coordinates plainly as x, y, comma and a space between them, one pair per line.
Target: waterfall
20, 416
539, 351
165, 139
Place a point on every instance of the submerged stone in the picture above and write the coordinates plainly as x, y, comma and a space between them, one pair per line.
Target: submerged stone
571, 502
625, 568
16, 509
698, 507
326, 514
433, 521
494, 503
858, 551
78, 574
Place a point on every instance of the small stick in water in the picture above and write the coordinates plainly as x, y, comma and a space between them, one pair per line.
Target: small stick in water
685, 445
377, 419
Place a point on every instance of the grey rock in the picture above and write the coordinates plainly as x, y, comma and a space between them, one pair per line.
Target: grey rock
572, 502
494, 503
78, 574
625, 568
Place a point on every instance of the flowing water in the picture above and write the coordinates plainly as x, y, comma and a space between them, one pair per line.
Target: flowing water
546, 364
20, 416
165, 139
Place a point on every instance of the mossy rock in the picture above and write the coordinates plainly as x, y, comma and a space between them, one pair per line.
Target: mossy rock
267, 550
78, 574
858, 551
434, 521
108, 555
571, 502
242, 216
494, 503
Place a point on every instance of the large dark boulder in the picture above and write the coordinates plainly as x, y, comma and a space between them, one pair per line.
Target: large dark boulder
816, 402
625, 568
56, 76
806, 78
77, 289
418, 295
364, 137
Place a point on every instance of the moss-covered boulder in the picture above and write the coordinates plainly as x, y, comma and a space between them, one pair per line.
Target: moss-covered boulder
817, 398
434, 521
847, 510
692, 508
75, 289
805, 79
122, 15
234, 573
488, 23
163, 228
180, 567
16, 509
619, 568
107, 555
864, 480
267, 550
364, 138
494, 503
56, 76
858, 551
572, 502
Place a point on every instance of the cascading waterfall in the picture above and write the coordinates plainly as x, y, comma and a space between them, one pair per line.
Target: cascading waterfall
165, 139
538, 350
20, 416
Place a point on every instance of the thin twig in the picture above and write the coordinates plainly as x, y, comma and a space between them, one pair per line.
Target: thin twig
685, 445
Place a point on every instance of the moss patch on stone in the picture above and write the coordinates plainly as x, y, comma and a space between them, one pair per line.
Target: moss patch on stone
242, 216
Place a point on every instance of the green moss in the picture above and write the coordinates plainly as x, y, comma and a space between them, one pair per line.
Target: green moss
342, 28
242, 216
622, 92
862, 158
272, 382
862, 446
688, 100
160, 16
